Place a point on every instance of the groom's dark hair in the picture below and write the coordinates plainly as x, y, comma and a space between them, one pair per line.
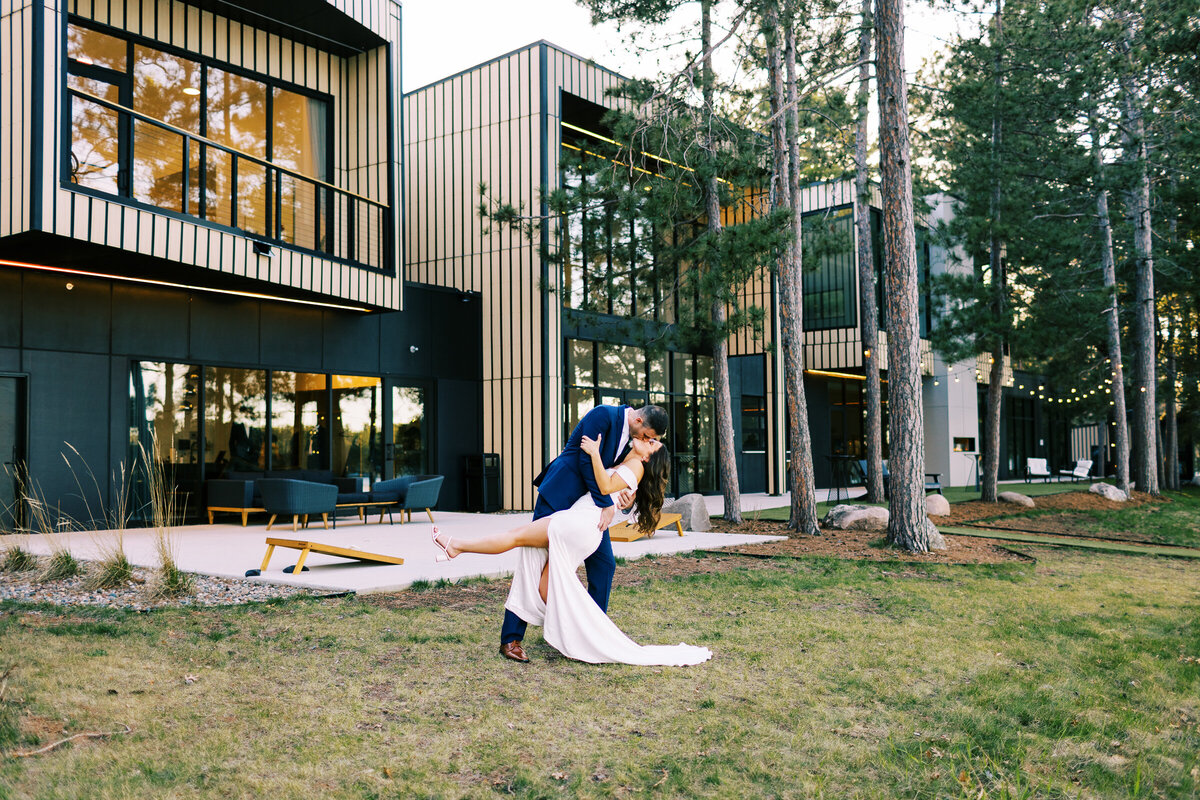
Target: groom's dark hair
654, 417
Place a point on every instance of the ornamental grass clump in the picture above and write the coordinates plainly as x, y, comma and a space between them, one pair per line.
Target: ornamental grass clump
172, 581
62, 564
18, 559
112, 570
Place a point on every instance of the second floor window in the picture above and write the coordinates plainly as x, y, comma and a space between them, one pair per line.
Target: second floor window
145, 155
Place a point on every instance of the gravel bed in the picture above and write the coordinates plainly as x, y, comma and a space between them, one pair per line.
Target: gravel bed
138, 594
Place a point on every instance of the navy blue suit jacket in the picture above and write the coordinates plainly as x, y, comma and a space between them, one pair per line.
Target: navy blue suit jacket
570, 476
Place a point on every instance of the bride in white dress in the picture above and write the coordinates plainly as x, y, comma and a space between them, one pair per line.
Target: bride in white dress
546, 589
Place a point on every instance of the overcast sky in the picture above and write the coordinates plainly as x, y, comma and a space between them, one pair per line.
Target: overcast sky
442, 37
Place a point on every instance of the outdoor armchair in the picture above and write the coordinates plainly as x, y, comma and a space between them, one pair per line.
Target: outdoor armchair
1037, 468
299, 499
1082, 470
411, 491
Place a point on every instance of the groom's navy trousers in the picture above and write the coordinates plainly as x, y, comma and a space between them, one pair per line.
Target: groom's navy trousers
564, 481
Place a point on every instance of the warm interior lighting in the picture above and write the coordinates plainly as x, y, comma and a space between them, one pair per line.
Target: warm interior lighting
170, 285
191, 91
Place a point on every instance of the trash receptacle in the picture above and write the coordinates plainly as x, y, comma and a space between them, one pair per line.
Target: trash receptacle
483, 482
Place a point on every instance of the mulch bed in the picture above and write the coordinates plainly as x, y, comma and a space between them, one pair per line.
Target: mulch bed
961, 513
865, 545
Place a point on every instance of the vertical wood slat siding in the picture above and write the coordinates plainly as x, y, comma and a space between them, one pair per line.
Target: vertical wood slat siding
186, 27
484, 126
16, 32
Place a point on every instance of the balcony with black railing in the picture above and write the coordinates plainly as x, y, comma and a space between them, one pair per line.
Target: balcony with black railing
114, 150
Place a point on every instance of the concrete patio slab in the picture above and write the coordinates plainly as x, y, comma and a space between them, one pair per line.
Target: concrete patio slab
228, 550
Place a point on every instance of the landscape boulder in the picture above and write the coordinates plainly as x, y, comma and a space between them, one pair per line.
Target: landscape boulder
937, 506
691, 507
1108, 491
936, 541
1015, 498
856, 518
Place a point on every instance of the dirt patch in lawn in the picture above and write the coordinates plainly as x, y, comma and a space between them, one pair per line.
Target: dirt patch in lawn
864, 545
975, 510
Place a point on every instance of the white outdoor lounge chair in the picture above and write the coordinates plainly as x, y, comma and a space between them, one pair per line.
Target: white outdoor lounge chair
1037, 468
1082, 469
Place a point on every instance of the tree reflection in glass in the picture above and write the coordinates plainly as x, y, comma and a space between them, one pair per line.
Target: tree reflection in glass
237, 118
161, 84
235, 415
408, 431
95, 137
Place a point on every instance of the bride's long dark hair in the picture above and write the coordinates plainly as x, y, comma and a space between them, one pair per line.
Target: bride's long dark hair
648, 500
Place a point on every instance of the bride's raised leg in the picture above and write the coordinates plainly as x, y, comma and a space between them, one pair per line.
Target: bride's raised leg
533, 534
544, 583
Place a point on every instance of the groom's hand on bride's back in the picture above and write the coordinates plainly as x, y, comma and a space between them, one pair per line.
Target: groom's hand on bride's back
625, 499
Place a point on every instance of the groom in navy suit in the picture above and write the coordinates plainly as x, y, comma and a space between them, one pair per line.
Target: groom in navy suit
568, 478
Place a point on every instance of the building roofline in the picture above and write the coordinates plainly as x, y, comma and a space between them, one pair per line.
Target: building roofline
530, 46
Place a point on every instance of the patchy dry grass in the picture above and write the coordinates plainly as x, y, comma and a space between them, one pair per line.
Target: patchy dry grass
1074, 678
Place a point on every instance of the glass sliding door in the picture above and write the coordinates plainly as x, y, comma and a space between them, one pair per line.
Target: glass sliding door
12, 451
410, 434
299, 421
357, 437
165, 425
235, 417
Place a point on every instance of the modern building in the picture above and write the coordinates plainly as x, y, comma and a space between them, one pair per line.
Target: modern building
222, 224
201, 221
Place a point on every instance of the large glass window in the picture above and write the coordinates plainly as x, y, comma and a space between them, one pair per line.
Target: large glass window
166, 402
299, 420
165, 87
681, 383
235, 416
357, 437
607, 247
830, 275
115, 153
409, 431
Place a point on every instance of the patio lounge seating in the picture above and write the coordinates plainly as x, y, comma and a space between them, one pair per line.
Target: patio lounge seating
411, 491
933, 480
1037, 468
239, 492
298, 498
1083, 468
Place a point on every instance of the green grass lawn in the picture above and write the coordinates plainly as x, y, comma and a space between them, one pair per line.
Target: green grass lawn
1075, 677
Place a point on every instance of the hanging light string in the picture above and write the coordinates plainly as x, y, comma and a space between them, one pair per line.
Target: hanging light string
1088, 387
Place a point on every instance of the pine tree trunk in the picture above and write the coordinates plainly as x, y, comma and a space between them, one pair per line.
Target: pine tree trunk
1171, 420
804, 494
869, 314
995, 392
991, 428
726, 457
1145, 446
908, 526
1108, 267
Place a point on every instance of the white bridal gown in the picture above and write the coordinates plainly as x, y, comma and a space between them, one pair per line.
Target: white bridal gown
571, 621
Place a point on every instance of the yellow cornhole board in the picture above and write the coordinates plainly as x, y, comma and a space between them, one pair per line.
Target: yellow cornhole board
327, 549
624, 532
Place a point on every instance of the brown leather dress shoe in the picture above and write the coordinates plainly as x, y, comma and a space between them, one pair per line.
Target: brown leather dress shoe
513, 652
